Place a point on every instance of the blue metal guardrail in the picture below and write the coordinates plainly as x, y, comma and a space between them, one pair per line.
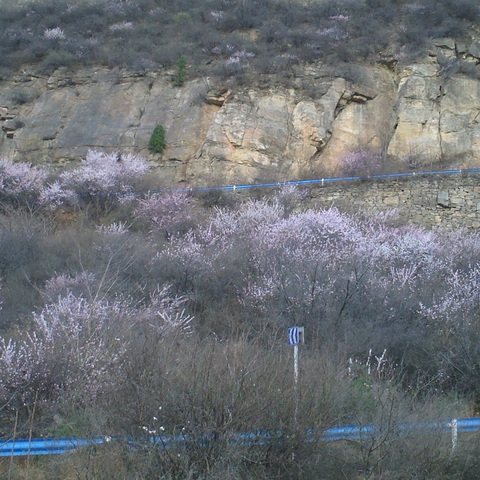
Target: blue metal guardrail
51, 446
46, 446
321, 181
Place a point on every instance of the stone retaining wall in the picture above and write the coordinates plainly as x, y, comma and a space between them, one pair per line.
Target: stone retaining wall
449, 201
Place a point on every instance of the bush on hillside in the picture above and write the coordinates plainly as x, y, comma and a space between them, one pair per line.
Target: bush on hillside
53, 33
361, 163
157, 142
181, 72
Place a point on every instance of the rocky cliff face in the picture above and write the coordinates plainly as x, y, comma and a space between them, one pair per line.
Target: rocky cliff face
418, 115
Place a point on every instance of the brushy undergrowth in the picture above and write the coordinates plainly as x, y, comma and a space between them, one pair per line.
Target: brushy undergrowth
145, 315
225, 38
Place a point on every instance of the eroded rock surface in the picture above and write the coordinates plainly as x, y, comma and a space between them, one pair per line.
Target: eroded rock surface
218, 135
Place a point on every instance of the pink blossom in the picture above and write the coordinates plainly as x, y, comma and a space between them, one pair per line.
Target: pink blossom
360, 163
121, 26
217, 15
55, 195
104, 173
63, 284
113, 229
54, 33
169, 212
79, 345
18, 178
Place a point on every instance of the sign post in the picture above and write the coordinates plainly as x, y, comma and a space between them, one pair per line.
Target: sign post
296, 335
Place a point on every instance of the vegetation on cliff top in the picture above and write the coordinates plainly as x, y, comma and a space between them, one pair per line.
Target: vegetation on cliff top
224, 37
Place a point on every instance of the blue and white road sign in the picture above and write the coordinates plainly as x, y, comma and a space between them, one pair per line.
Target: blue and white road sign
293, 336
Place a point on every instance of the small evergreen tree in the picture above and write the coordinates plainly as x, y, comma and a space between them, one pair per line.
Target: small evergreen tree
179, 80
157, 141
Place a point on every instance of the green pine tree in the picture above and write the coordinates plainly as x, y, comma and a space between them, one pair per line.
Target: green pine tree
157, 142
179, 80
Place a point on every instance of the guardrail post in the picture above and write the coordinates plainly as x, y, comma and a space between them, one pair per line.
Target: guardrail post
454, 426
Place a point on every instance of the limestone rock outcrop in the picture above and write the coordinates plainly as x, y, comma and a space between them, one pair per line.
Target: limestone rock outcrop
424, 115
